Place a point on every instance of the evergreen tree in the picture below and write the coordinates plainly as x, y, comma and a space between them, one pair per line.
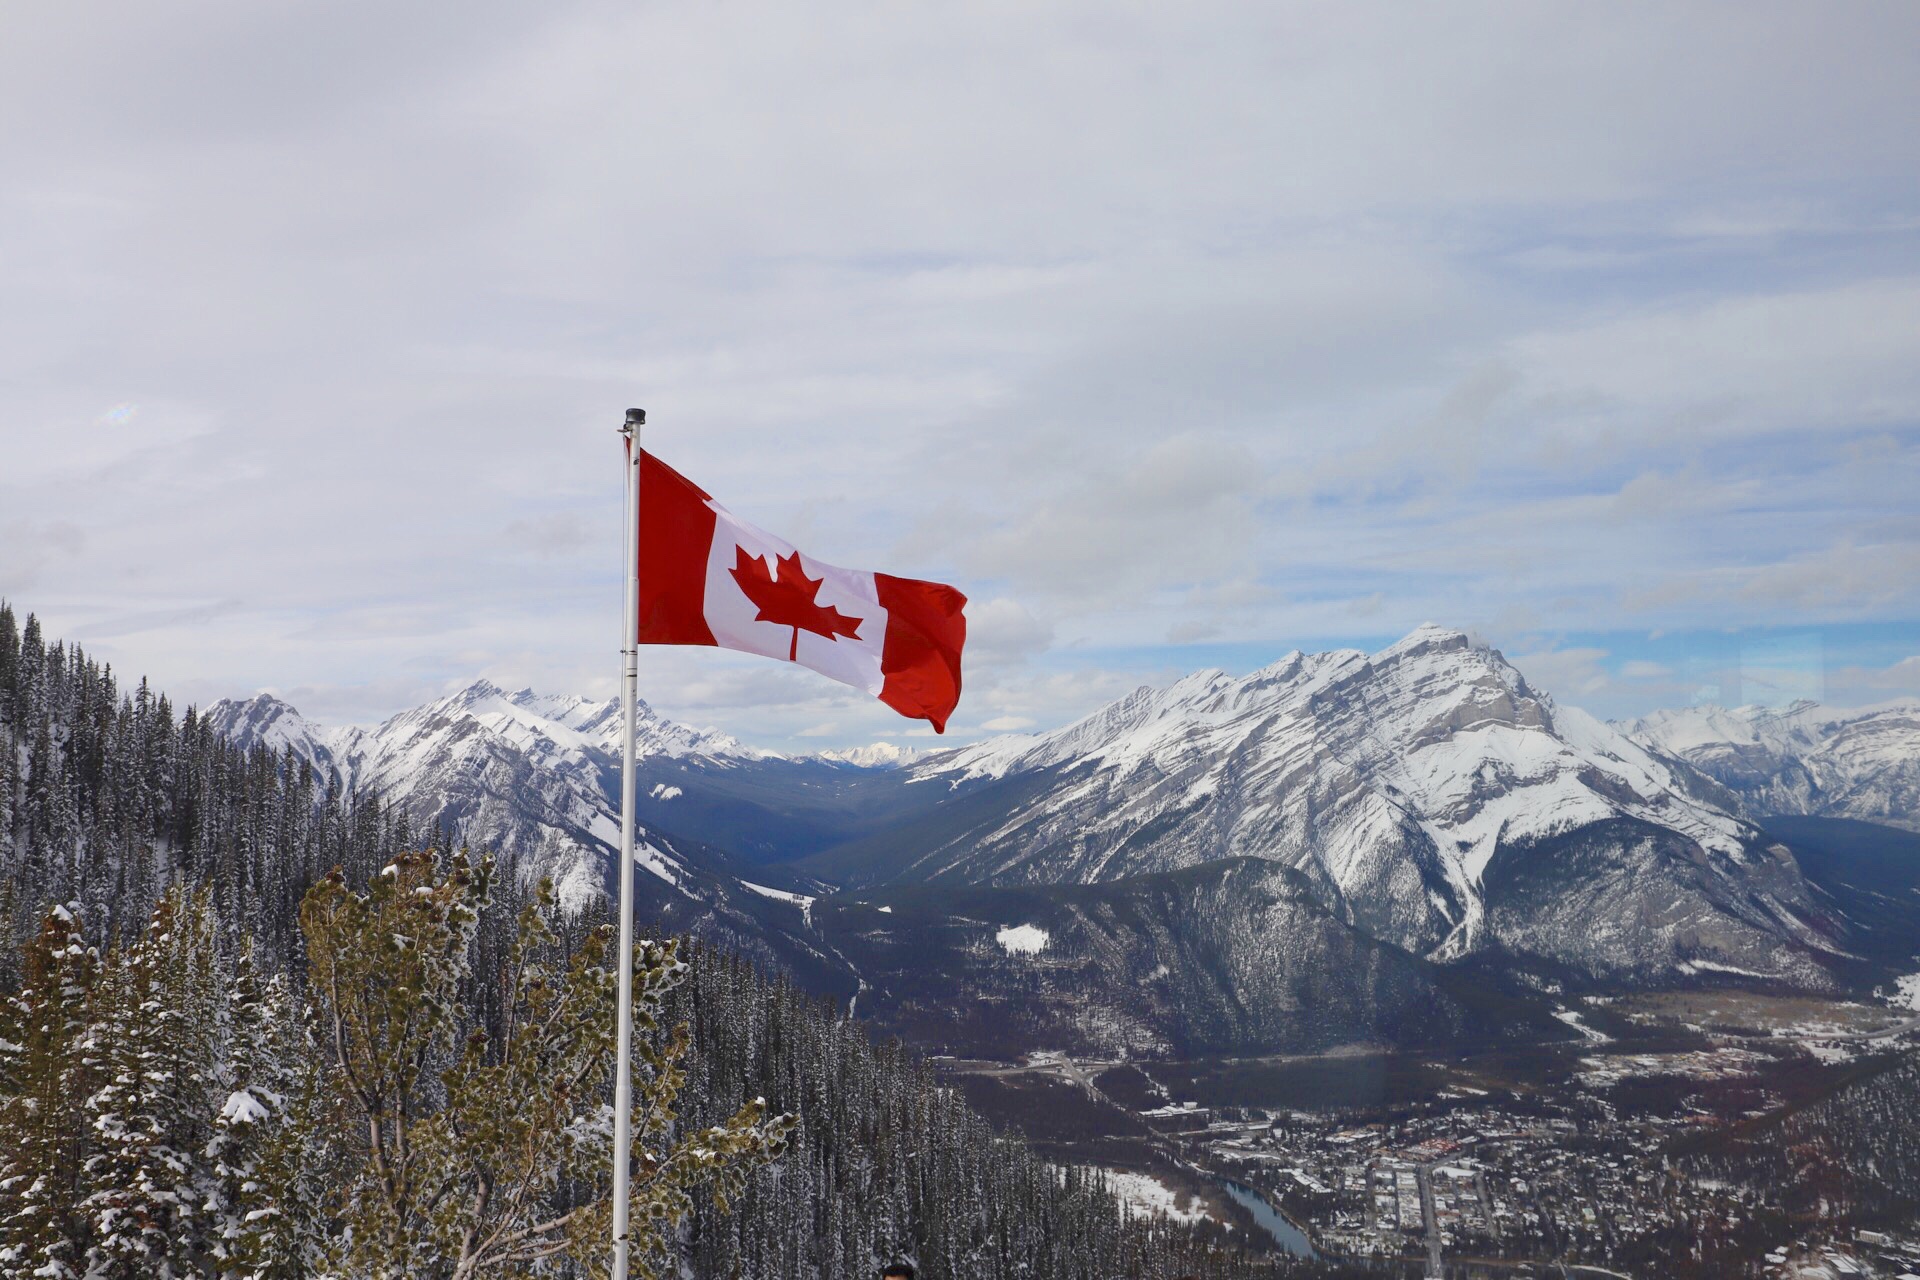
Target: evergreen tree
469, 1187
43, 1079
288, 1165
152, 1046
29, 684
261, 1083
9, 661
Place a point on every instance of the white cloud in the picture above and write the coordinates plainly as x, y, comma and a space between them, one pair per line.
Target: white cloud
1565, 673
1004, 630
1232, 323
1845, 356
1856, 685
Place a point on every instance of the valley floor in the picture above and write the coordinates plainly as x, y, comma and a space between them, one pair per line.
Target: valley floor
1628, 1151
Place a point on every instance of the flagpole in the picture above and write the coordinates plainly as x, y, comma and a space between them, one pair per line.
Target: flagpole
629, 694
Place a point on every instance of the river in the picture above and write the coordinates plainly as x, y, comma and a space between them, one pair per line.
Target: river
1290, 1238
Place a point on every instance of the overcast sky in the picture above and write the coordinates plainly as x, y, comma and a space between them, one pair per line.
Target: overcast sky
1175, 335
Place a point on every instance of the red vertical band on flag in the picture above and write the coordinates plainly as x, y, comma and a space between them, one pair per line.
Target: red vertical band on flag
676, 532
926, 629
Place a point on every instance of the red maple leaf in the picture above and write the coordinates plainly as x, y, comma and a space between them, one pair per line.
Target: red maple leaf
787, 599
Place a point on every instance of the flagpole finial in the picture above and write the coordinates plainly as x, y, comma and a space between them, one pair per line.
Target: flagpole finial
636, 417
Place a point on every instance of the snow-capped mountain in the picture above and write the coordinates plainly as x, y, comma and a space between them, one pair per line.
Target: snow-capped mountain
878, 755
1803, 759
536, 774
265, 721
536, 778
1431, 795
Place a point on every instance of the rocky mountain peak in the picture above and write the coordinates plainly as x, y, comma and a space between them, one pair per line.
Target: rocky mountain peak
1428, 637
1404, 784
266, 720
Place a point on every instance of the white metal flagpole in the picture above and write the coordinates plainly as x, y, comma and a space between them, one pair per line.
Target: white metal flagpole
629, 694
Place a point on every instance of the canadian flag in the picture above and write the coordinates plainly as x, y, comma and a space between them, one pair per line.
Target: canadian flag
708, 577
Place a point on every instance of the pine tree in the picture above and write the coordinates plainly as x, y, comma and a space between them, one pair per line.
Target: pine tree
265, 1164
152, 1045
29, 685
43, 1079
9, 661
306, 1157
470, 1188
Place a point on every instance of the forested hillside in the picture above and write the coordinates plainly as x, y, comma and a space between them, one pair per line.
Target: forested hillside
106, 797
1854, 1153
170, 1108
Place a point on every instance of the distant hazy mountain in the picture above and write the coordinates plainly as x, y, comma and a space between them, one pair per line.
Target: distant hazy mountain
879, 755
1803, 759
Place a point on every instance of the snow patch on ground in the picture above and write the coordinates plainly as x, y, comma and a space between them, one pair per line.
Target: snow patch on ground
1711, 966
661, 791
1906, 992
800, 900
1144, 1194
1572, 1019
1023, 939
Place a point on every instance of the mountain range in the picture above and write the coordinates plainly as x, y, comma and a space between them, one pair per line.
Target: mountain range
1801, 760
1408, 846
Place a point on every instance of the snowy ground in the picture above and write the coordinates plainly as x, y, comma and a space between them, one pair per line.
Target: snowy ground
1906, 992
1145, 1194
1572, 1019
1024, 939
1829, 1052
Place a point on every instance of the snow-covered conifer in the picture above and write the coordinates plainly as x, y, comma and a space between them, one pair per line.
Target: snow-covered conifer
152, 1046
43, 1079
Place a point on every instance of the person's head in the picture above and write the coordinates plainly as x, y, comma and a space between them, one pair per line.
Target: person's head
897, 1271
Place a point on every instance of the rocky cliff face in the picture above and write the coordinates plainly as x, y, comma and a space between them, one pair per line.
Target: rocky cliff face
1231, 956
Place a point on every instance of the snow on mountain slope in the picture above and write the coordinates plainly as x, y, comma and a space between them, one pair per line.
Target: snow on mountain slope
1393, 781
511, 770
565, 735
1803, 759
553, 727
